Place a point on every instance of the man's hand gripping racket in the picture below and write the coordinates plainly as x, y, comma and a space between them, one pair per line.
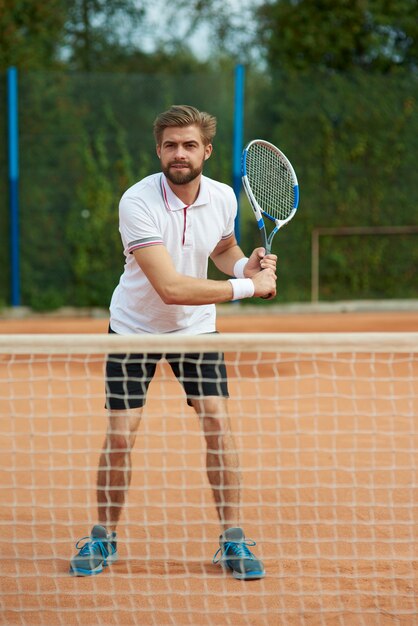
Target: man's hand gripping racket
271, 186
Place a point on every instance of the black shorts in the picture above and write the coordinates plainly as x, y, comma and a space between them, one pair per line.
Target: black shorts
129, 375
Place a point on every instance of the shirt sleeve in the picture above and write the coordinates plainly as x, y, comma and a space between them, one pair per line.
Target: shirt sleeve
137, 225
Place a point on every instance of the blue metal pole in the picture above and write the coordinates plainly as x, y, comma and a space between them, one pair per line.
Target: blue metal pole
238, 139
13, 144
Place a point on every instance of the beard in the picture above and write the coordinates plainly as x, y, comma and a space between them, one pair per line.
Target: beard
183, 176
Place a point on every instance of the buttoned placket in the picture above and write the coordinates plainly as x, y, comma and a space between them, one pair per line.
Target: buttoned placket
187, 214
186, 225
186, 218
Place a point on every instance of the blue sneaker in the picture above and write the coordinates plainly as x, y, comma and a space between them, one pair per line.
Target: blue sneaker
98, 552
235, 555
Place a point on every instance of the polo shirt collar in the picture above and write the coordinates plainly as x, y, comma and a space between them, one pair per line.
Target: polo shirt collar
173, 203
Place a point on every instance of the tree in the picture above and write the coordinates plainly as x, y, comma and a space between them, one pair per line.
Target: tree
339, 34
30, 32
95, 28
211, 29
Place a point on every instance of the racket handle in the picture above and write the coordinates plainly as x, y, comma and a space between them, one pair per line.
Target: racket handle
268, 250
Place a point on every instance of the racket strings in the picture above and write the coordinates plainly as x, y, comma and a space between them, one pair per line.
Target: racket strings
271, 182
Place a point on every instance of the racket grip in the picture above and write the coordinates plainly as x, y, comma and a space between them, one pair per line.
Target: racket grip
269, 295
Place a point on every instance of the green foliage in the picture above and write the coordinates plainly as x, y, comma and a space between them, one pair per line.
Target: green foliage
339, 34
29, 31
50, 168
371, 267
338, 95
4, 198
94, 28
353, 142
85, 138
92, 226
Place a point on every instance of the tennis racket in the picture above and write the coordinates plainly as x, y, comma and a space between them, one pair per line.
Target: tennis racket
271, 186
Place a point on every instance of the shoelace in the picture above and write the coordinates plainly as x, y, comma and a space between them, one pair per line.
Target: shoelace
92, 546
238, 548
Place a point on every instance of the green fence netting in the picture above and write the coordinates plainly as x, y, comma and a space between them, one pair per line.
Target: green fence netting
85, 138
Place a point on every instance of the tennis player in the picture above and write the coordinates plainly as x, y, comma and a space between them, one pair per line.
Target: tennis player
171, 223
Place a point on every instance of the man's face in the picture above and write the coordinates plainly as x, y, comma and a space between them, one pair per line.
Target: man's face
182, 154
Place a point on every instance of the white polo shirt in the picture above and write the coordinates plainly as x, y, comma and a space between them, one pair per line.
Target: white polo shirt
151, 214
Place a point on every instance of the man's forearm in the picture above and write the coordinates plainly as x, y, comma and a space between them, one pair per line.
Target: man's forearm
187, 290
225, 261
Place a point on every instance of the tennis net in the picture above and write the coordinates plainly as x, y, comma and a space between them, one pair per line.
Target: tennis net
325, 426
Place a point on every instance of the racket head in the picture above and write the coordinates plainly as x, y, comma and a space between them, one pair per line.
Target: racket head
270, 182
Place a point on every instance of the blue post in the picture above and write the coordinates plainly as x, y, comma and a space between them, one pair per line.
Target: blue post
13, 140
238, 139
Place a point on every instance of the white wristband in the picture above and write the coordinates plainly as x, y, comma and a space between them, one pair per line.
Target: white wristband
242, 288
239, 267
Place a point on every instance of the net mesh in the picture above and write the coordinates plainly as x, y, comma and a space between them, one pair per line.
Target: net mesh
325, 428
271, 180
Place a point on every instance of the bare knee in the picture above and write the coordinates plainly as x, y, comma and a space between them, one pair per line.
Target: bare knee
117, 443
211, 409
215, 429
212, 412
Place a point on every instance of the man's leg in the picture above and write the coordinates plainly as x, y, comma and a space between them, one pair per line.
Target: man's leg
222, 462
225, 479
115, 468
127, 380
114, 476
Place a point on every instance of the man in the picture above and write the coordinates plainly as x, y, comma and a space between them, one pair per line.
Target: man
170, 224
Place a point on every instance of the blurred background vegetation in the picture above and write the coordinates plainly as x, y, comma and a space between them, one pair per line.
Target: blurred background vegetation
333, 83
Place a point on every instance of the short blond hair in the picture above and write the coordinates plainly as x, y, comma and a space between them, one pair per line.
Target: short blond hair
182, 115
